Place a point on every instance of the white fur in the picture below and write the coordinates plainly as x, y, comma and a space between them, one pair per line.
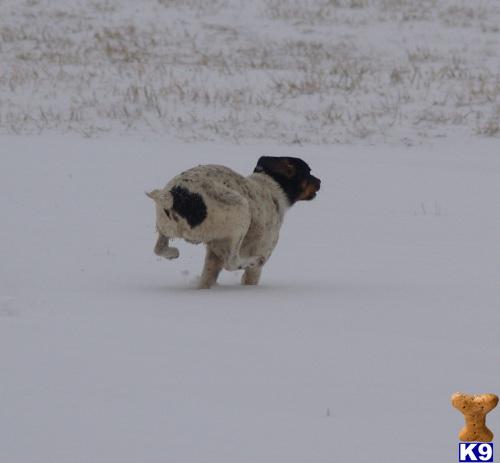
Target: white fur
244, 216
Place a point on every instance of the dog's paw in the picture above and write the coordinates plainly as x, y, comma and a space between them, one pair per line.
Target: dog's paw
205, 284
243, 264
169, 253
252, 262
249, 280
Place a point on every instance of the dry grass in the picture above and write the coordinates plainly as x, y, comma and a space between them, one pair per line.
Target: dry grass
294, 71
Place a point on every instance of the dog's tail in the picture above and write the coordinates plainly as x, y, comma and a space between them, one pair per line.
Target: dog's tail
163, 197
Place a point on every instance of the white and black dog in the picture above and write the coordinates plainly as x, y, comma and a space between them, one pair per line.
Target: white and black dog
238, 218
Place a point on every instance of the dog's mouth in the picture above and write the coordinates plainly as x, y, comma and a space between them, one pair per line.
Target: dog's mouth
311, 195
314, 186
310, 188
316, 182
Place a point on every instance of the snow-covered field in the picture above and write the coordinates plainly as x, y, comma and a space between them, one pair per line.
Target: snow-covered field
382, 297
380, 301
292, 71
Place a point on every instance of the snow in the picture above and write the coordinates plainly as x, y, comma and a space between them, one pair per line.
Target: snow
380, 301
382, 297
303, 71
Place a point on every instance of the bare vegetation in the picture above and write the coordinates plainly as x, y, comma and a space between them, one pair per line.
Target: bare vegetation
292, 71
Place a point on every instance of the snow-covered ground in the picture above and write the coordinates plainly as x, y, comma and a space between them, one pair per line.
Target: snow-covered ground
381, 300
382, 297
292, 71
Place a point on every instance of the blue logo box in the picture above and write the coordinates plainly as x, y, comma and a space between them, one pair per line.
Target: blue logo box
475, 452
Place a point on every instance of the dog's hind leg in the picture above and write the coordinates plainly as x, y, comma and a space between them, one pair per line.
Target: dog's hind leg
162, 248
233, 221
251, 276
211, 269
235, 262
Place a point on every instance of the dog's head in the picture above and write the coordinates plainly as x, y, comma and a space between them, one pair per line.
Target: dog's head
292, 174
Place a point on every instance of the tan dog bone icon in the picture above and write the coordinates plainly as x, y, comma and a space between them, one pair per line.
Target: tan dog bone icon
474, 408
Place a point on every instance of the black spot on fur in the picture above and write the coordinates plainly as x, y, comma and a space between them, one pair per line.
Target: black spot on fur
189, 205
167, 212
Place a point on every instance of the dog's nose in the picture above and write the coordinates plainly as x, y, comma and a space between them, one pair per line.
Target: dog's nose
316, 182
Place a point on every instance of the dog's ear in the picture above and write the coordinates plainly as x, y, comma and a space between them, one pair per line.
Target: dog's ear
155, 195
276, 165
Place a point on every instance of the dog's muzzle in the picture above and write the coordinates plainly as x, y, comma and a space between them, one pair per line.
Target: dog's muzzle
316, 182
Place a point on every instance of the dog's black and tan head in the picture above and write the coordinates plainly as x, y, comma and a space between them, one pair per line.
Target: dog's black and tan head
292, 174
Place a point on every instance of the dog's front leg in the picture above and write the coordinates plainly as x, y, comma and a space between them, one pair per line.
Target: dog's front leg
162, 248
211, 269
251, 276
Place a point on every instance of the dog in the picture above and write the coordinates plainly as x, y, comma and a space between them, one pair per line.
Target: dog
237, 217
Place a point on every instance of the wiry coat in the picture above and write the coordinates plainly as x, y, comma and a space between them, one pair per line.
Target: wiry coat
238, 217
